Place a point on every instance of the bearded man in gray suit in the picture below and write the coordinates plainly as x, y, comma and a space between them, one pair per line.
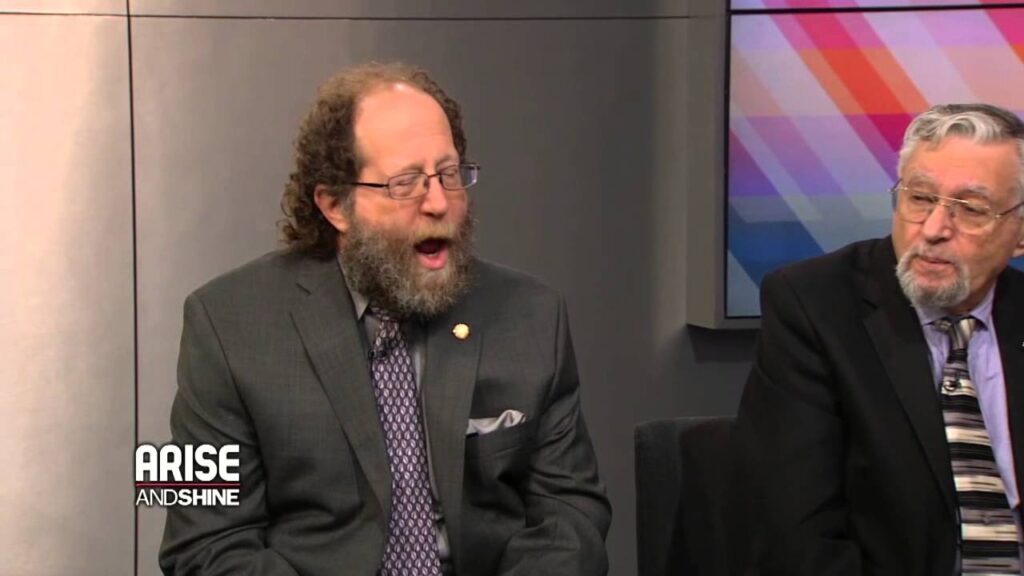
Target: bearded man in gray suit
401, 407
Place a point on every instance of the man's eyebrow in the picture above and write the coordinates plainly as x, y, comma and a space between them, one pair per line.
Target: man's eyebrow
919, 178
445, 158
410, 167
975, 190
924, 179
418, 166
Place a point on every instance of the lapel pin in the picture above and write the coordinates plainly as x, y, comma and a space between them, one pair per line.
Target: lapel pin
461, 331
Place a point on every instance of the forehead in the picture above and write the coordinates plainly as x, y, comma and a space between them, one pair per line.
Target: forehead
958, 163
398, 119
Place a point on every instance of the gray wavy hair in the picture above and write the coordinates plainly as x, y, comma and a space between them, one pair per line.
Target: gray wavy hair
982, 123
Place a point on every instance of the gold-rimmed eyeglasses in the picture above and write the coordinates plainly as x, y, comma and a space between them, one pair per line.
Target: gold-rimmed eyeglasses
972, 216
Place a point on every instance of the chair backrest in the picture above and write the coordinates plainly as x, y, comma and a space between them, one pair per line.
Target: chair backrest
684, 470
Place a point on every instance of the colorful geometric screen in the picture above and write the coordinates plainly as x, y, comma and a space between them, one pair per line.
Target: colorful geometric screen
817, 108
762, 5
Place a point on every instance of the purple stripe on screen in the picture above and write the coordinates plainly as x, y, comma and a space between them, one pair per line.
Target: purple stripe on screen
745, 176
967, 28
787, 84
854, 166
805, 4
864, 34
900, 29
881, 149
919, 54
756, 33
796, 155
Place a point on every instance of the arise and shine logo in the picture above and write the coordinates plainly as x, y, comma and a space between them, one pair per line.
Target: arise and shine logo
187, 475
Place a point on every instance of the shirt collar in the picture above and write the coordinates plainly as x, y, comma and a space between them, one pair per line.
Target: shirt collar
982, 312
359, 302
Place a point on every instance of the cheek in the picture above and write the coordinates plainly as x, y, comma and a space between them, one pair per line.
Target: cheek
902, 236
384, 213
983, 262
458, 205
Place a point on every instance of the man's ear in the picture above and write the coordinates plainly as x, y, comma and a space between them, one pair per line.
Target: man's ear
331, 207
1018, 250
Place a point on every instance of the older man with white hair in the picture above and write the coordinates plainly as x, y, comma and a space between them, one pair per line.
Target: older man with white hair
884, 415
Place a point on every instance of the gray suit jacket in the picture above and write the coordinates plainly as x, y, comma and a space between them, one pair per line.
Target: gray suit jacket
271, 359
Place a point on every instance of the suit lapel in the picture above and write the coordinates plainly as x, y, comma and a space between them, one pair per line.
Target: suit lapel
896, 333
327, 325
448, 380
1008, 315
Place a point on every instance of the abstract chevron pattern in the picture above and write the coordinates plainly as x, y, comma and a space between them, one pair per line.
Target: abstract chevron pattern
817, 107
812, 4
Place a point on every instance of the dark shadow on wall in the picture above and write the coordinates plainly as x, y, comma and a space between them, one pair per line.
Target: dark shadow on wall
721, 345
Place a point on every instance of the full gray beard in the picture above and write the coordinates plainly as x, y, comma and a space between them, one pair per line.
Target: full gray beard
384, 268
943, 298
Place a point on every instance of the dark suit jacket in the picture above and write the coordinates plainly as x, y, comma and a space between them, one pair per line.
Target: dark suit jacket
842, 423
271, 359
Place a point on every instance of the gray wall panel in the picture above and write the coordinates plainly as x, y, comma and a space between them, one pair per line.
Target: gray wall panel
413, 8
66, 334
65, 6
581, 130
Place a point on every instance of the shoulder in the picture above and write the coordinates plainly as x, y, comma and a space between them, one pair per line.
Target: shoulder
1010, 289
259, 282
845, 267
839, 266
1011, 283
835, 283
496, 282
502, 293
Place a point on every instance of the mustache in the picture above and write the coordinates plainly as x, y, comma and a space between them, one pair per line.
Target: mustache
440, 231
924, 251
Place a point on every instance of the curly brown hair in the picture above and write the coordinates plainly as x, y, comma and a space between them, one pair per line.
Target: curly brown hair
326, 152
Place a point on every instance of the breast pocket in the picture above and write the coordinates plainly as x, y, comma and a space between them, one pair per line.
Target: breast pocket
499, 442
496, 463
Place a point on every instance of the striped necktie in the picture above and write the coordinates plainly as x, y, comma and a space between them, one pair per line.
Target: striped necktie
988, 534
411, 548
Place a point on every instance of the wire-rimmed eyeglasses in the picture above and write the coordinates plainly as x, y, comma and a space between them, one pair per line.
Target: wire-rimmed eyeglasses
415, 184
973, 216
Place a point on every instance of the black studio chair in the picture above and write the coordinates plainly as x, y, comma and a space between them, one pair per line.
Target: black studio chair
684, 474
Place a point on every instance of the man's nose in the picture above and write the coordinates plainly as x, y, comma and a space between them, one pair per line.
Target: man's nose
939, 223
435, 203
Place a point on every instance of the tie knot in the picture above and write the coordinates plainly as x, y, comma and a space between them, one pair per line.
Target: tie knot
388, 335
383, 315
959, 330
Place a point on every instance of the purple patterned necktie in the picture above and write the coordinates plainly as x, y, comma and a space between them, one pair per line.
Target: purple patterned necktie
411, 548
988, 533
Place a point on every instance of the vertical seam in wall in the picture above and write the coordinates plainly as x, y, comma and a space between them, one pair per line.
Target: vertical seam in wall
135, 289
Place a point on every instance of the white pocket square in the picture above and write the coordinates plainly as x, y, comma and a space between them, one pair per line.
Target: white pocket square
508, 419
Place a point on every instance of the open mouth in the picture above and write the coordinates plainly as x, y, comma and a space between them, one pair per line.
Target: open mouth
432, 252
